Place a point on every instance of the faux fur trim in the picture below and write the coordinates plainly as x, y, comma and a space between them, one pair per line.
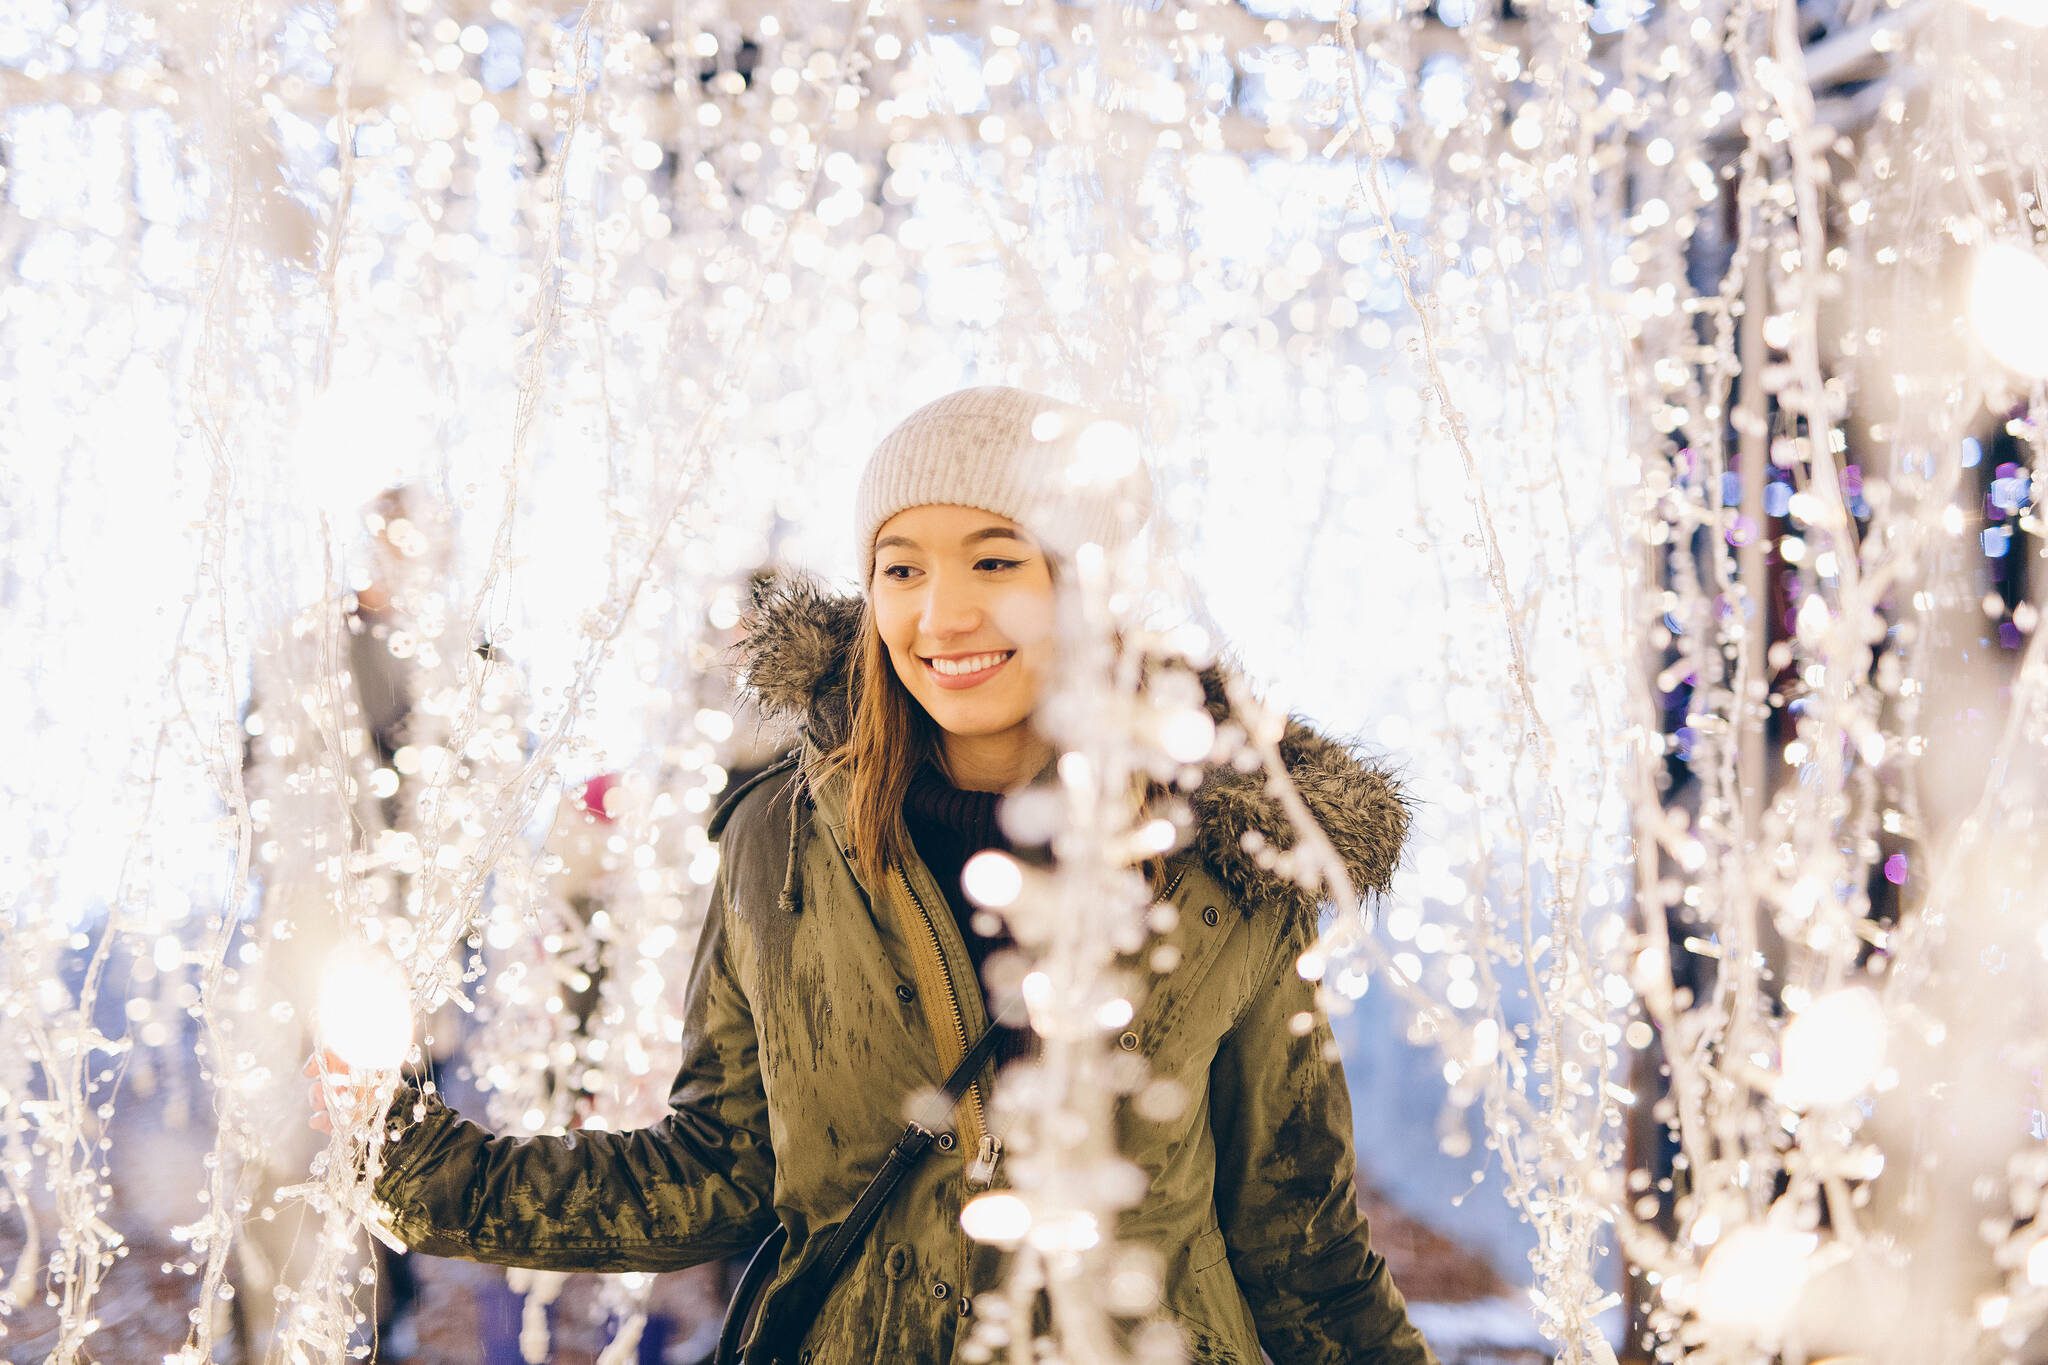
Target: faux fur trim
796, 653
794, 660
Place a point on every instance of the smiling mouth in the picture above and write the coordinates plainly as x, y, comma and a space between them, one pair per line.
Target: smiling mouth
967, 671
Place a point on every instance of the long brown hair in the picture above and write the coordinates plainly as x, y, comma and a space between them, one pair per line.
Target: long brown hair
890, 735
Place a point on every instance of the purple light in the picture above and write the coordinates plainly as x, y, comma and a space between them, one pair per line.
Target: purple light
1895, 869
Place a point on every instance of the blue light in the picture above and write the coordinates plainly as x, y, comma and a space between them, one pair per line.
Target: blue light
504, 57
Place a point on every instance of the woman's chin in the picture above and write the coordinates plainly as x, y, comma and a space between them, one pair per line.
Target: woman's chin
965, 728
971, 719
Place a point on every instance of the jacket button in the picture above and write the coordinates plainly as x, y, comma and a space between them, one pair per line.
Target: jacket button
1128, 1041
945, 1142
1209, 915
940, 1289
905, 994
965, 1305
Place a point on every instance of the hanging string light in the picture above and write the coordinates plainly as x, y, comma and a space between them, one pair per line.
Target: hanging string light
1666, 379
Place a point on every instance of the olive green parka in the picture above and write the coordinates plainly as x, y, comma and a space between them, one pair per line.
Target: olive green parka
813, 1008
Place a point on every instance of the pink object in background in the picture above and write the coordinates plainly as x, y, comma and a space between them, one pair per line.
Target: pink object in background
591, 799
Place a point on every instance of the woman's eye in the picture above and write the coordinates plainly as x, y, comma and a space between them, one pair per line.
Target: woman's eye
996, 564
899, 572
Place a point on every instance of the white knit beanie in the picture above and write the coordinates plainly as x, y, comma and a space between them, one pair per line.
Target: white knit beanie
1063, 473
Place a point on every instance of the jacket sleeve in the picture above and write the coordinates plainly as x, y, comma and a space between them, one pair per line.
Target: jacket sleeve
1286, 1191
697, 1186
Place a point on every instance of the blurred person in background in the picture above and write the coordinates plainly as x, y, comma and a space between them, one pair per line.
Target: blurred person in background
334, 704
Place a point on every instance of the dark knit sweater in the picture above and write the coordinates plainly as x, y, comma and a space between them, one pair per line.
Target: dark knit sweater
948, 826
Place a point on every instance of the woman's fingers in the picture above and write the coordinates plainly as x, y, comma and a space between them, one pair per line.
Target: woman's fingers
334, 1090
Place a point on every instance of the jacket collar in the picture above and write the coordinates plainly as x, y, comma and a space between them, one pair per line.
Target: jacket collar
795, 662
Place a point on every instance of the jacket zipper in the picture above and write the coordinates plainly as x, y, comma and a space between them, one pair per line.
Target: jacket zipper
988, 1148
981, 1168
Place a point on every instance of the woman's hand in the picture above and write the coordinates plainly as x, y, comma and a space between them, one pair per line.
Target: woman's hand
336, 1091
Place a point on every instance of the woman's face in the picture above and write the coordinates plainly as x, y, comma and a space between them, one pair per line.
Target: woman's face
963, 600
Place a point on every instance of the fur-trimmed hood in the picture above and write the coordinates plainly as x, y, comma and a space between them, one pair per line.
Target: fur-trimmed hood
794, 661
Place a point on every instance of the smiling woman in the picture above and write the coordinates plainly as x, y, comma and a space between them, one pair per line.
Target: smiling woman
963, 602
839, 975
964, 512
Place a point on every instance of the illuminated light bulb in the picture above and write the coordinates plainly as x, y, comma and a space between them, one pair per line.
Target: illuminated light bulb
1485, 1044
1037, 989
1048, 426
1132, 1291
1187, 736
992, 879
1072, 1231
998, 1219
1753, 1279
2032, 13
1114, 1014
1104, 453
365, 1009
1832, 1049
2008, 299
1154, 836
1812, 622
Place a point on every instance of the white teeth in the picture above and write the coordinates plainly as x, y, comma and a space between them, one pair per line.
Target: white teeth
953, 668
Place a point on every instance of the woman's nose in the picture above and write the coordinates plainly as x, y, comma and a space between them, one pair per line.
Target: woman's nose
950, 608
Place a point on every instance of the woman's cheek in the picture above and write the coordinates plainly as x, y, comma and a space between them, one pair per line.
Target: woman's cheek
1024, 618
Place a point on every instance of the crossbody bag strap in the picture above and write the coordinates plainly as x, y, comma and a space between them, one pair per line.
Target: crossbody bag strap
780, 1338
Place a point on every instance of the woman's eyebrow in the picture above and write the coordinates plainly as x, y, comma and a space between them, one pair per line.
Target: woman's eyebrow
971, 538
